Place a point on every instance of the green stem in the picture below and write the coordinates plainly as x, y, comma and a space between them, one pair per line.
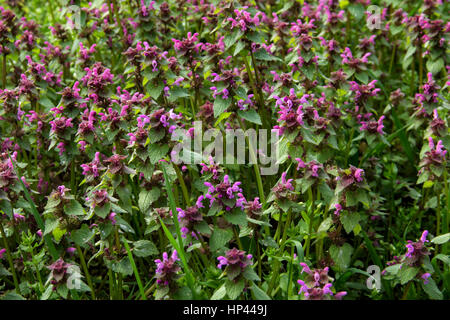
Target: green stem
116, 13
150, 290
413, 75
276, 270
4, 71
136, 273
258, 254
447, 210
391, 64
38, 273
10, 260
86, 271
347, 29
183, 185
179, 246
291, 266
112, 286
419, 53
349, 144
37, 216
405, 294
52, 14
255, 165
238, 240
308, 240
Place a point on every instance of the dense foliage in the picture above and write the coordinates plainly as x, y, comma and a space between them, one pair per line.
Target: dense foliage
93, 205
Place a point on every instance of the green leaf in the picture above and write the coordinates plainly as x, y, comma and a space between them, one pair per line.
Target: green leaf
125, 198
444, 258
435, 66
341, 255
262, 54
219, 238
82, 235
349, 220
50, 225
234, 290
250, 274
324, 226
406, 274
183, 293
250, 115
432, 290
125, 226
357, 10
443, 238
219, 293
220, 106
155, 90
239, 46
4, 272
123, 267
74, 208
178, 92
147, 197
237, 217
103, 211
144, 248
362, 76
223, 116
58, 233
161, 292
258, 293
157, 152
231, 38
11, 295
233, 271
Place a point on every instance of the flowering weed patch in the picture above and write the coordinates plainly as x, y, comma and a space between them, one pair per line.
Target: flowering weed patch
211, 149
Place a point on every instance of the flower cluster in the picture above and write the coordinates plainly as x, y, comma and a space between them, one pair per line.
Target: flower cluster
235, 262
166, 270
317, 285
225, 194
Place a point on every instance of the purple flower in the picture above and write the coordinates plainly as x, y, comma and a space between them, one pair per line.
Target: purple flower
338, 209
355, 63
167, 268
188, 44
225, 194
189, 218
416, 251
350, 176
430, 91
244, 20
112, 218
2, 252
425, 277
91, 170
437, 124
59, 125
311, 168
235, 262
282, 189
18, 217
59, 270
363, 91
373, 126
316, 285
71, 250
212, 168
253, 208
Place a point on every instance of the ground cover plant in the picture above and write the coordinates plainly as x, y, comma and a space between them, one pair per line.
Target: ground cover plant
352, 96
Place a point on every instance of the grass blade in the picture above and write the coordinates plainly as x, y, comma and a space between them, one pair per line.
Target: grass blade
133, 265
